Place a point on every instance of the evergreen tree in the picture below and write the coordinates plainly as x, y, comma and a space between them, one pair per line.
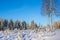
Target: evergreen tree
24, 25
11, 25
5, 24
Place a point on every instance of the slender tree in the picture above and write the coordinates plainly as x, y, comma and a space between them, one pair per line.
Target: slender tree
49, 8
16, 24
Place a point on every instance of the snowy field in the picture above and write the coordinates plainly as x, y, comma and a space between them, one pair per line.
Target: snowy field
29, 35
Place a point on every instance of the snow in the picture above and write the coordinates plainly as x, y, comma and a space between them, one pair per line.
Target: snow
29, 35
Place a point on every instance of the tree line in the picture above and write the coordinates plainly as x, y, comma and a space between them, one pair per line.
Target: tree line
11, 25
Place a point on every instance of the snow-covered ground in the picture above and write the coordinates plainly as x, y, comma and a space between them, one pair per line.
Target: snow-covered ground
29, 35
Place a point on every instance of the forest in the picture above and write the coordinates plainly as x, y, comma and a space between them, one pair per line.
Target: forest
11, 25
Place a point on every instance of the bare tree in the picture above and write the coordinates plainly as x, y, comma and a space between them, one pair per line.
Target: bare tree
33, 25
57, 25
49, 8
16, 24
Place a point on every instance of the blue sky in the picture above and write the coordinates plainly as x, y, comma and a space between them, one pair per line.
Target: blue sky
27, 10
